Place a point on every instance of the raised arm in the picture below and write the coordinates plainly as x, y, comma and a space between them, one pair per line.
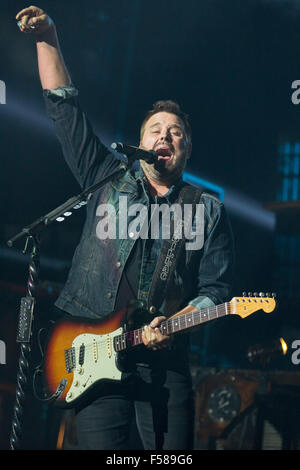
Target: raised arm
85, 154
52, 69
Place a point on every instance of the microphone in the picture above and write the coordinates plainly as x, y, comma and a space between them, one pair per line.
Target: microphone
135, 153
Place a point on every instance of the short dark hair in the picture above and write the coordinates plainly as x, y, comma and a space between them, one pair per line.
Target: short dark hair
172, 107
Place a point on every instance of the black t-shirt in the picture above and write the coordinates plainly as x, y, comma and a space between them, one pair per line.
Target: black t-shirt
129, 283
174, 357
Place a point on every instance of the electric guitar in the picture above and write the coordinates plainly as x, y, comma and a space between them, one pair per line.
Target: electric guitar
81, 353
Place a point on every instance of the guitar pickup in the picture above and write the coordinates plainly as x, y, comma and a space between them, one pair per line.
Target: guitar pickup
70, 360
81, 354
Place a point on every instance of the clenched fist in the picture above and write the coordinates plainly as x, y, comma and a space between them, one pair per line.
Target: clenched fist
34, 20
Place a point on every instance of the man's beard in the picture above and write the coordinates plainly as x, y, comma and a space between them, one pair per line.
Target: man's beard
160, 172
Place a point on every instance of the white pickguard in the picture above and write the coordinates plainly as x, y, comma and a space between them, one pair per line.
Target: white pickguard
99, 362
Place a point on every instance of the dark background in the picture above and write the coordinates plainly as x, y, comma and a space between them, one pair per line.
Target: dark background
229, 64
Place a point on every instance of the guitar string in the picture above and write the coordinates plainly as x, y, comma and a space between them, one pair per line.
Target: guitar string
211, 313
207, 314
214, 313
102, 344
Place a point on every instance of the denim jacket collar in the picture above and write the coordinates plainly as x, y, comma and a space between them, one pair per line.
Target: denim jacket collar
170, 196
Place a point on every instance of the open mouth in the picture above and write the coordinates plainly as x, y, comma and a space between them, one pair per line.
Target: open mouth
164, 153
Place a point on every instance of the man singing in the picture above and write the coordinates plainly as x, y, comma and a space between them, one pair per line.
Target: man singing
107, 274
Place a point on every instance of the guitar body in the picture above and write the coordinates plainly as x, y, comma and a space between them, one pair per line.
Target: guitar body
81, 352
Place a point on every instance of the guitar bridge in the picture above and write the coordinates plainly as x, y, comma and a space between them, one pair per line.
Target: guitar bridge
70, 360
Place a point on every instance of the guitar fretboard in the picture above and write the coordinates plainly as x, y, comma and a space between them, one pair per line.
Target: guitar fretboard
173, 325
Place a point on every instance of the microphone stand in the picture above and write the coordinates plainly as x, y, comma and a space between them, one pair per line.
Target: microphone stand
25, 322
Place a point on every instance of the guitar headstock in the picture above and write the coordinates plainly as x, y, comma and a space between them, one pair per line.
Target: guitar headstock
246, 305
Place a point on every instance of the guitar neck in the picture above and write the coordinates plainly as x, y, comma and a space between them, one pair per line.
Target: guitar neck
173, 325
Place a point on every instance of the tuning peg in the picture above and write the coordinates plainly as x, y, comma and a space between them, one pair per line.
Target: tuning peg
255, 294
244, 294
273, 295
268, 294
261, 294
250, 294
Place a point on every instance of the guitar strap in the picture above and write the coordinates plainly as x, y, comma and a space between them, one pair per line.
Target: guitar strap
171, 249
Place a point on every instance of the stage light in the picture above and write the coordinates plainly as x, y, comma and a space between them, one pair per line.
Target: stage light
283, 345
264, 353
